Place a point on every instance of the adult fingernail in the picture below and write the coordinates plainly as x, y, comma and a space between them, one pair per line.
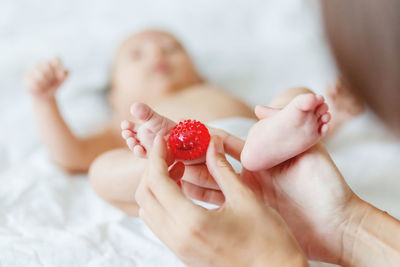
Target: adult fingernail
219, 146
157, 139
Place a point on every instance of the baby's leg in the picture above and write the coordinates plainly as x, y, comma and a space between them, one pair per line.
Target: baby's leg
115, 176
284, 133
140, 136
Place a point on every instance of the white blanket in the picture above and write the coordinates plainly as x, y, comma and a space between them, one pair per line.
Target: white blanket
253, 48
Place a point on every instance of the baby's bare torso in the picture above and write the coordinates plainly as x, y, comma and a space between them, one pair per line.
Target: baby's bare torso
201, 102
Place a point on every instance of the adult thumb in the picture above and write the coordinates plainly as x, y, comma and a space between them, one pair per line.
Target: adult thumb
223, 173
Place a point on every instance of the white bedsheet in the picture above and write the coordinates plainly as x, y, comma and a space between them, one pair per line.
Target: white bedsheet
253, 48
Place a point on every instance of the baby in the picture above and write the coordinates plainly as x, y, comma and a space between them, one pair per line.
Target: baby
296, 120
152, 67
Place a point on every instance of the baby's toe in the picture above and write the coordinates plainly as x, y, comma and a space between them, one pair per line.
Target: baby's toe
321, 109
131, 143
320, 99
323, 130
127, 134
306, 102
153, 122
127, 125
141, 111
325, 118
139, 151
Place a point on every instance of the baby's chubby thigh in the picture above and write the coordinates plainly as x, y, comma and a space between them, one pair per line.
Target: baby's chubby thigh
115, 176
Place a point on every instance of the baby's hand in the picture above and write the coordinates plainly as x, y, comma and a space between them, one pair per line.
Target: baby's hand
44, 79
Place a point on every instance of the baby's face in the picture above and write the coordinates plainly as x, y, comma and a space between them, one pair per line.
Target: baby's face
149, 64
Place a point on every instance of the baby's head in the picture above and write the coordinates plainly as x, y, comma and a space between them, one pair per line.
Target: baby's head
149, 64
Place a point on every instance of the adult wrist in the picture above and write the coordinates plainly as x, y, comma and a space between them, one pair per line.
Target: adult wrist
370, 238
285, 254
294, 259
356, 213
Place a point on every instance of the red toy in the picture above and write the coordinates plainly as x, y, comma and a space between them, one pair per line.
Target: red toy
189, 140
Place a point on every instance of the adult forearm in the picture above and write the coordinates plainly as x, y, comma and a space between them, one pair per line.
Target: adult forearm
295, 260
371, 238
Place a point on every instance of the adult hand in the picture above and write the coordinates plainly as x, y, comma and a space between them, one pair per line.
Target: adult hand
242, 232
198, 183
309, 193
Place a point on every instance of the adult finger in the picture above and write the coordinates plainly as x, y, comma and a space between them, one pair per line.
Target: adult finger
200, 176
163, 187
233, 145
147, 201
203, 194
155, 212
223, 173
167, 232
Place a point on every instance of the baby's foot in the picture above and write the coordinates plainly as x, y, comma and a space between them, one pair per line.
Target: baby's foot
139, 137
344, 105
285, 133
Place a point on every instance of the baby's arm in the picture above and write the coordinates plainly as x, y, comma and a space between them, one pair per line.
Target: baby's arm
67, 150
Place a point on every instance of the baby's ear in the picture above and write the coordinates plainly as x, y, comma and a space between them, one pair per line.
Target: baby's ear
263, 112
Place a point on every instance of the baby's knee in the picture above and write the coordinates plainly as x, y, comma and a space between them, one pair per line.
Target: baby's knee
100, 183
96, 176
